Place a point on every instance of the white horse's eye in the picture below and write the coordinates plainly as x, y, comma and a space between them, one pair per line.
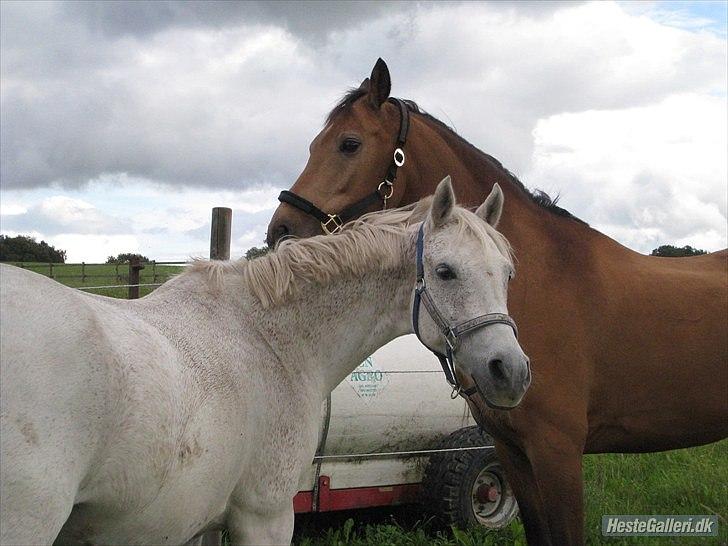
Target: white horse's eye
445, 272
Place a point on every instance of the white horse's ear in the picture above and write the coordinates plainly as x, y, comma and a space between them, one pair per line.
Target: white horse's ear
492, 207
442, 202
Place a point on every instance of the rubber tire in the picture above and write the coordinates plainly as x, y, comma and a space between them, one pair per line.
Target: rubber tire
449, 478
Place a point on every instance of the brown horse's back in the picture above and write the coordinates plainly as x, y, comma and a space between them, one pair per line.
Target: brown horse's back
661, 362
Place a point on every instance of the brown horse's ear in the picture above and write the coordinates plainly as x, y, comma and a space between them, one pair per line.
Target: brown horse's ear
442, 202
492, 207
365, 85
379, 84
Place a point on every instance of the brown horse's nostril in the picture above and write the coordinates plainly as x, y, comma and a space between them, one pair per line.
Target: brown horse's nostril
281, 231
277, 233
496, 367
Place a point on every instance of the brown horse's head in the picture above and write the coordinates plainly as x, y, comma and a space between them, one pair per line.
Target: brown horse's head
349, 159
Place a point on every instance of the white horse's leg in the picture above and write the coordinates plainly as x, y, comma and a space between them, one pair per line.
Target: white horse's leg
33, 508
209, 538
248, 527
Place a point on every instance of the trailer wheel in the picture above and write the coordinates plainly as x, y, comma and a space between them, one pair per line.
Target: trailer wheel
468, 487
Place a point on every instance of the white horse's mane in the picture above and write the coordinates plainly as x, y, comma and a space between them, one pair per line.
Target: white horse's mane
376, 240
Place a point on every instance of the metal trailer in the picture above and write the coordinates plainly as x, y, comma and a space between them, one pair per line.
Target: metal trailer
391, 434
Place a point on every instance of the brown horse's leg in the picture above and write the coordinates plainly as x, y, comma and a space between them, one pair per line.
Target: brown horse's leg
556, 464
523, 482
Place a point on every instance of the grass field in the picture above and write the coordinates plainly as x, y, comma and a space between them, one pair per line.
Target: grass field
687, 481
78, 275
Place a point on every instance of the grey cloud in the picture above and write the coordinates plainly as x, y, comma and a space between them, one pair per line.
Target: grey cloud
48, 222
119, 87
309, 19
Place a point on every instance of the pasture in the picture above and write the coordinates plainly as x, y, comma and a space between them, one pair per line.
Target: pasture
685, 481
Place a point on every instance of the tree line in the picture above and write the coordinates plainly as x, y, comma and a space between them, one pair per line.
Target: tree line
26, 249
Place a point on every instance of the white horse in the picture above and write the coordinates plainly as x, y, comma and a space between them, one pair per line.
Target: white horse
196, 407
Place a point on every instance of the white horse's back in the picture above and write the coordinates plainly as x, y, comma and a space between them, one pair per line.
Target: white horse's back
77, 372
108, 416
50, 404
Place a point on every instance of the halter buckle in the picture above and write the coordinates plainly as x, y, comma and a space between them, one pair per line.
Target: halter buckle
398, 157
455, 392
333, 220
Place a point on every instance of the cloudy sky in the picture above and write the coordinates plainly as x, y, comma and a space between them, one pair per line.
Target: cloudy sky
123, 123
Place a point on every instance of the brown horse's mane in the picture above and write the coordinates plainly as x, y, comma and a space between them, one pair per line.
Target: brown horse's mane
540, 197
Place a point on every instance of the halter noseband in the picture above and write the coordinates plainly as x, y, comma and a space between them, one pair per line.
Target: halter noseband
451, 333
331, 223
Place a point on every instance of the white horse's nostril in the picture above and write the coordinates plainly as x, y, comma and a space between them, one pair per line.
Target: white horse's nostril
497, 369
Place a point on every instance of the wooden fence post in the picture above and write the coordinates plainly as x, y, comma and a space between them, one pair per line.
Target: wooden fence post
135, 266
222, 221
50, 273
83, 272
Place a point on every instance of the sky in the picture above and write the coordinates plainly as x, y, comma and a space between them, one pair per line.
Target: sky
123, 123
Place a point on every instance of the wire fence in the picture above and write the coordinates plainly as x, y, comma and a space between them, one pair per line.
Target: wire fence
123, 280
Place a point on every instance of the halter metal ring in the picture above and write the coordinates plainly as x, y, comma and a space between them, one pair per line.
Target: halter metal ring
390, 187
398, 157
334, 221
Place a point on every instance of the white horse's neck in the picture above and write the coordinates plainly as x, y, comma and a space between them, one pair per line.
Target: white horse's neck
324, 332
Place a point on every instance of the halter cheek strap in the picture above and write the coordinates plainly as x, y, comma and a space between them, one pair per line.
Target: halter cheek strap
450, 333
331, 223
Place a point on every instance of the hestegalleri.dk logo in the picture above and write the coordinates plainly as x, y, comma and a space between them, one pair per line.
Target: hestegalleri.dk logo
659, 526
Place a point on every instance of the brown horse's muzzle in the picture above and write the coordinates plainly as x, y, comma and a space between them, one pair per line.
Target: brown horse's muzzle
289, 222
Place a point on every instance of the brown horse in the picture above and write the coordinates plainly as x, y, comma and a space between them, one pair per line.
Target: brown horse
629, 352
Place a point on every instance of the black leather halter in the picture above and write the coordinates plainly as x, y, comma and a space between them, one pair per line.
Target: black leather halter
331, 223
451, 333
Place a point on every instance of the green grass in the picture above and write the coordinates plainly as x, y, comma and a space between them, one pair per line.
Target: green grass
103, 274
686, 481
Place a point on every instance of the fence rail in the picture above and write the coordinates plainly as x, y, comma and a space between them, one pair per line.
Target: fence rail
125, 280
132, 275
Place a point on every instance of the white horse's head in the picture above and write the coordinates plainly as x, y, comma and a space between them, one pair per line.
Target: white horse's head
466, 266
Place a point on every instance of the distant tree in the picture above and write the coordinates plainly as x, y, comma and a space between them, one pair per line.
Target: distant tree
26, 249
669, 251
256, 252
125, 257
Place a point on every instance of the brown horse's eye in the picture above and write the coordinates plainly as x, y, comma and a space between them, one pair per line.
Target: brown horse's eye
445, 272
349, 145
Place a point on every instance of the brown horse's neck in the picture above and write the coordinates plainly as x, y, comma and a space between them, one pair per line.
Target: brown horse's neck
435, 151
